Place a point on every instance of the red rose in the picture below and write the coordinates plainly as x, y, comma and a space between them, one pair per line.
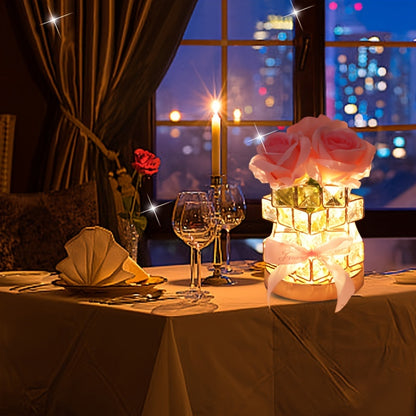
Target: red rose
145, 163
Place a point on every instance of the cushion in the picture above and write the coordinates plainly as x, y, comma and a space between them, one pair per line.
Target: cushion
35, 227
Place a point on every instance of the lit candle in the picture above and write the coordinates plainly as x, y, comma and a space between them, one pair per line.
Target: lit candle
216, 140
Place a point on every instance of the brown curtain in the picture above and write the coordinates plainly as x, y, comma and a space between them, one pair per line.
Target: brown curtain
104, 60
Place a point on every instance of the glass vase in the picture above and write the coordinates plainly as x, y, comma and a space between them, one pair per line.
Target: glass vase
310, 222
130, 237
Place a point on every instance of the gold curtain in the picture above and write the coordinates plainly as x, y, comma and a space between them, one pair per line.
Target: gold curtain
104, 60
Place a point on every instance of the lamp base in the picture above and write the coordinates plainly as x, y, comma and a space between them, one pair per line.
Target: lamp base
313, 292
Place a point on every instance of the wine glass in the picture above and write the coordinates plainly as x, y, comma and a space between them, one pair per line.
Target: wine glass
232, 206
181, 199
198, 226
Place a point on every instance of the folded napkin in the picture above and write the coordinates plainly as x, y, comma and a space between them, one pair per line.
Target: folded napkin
95, 259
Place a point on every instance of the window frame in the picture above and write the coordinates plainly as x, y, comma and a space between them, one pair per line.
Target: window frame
309, 99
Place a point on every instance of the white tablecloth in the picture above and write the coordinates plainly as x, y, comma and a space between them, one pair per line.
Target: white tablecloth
60, 355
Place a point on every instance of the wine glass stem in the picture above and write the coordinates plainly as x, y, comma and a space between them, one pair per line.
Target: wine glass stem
228, 250
198, 268
192, 265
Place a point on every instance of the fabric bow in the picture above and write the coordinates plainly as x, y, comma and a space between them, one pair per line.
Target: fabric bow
290, 256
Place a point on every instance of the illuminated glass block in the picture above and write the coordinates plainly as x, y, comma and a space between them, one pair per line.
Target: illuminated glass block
317, 221
305, 271
355, 208
356, 254
309, 241
301, 220
353, 232
284, 197
285, 216
312, 271
335, 217
309, 197
287, 236
268, 211
341, 260
319, 271
334, 196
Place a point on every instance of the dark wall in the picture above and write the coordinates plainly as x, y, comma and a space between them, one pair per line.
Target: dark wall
20, 94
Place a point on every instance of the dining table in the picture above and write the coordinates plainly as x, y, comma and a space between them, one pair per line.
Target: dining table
64, 352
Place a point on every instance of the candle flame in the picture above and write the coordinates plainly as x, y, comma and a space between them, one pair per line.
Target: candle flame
216, 106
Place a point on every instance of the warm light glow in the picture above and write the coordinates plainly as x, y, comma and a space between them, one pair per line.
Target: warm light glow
399, 153
216, 106
237, 115
372, 122
175, 133
175, 116
350, 108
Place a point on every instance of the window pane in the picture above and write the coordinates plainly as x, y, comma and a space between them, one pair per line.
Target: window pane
193, 78
241, 148
392, 183
356, 19
205, 22
260, 82
185, 153
260, 19
371, 86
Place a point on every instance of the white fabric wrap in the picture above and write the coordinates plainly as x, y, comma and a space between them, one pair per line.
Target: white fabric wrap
288, 257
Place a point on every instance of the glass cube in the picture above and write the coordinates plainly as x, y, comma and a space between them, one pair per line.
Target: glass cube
353, 232
335, 217
309, 241
268, 211
309, 197
285, 216
355, 208
334, 196
284, 197
287, 235
356, 254
301, 220
317, 221
309, 222
312, 270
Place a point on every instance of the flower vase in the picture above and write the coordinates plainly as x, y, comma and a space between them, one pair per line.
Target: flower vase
314, 248
129, 237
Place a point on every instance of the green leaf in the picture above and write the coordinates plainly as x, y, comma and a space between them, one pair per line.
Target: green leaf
140, 223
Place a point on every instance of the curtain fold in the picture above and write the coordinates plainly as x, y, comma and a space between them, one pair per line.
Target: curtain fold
104, 60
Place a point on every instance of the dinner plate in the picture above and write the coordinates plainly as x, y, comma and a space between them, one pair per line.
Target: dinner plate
28, 277
113, 290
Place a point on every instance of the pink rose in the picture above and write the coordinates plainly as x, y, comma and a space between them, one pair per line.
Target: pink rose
308, 125
340, 157
281, 160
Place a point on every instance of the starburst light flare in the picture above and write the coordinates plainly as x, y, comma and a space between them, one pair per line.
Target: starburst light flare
260, 137
153, 208
296, 13
54, 19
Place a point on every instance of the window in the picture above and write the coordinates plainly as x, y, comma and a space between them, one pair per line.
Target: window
353, 60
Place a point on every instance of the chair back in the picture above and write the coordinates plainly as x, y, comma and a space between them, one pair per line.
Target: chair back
35, 227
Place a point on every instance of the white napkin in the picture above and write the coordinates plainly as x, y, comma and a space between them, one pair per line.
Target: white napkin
95, 259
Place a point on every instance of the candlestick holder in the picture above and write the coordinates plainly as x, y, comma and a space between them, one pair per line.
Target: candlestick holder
217, 278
